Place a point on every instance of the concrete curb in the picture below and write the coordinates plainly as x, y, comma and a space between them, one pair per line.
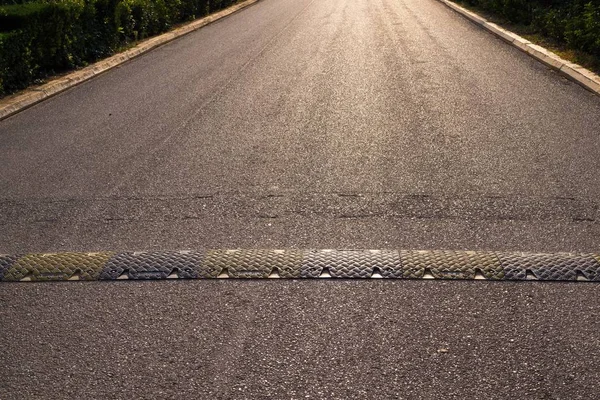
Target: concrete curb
16, 103
574, 72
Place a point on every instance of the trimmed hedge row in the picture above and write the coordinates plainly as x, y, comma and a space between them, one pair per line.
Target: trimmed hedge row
48, 36
575, 23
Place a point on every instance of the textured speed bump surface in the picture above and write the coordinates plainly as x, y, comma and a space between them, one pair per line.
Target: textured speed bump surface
399, 264
57, 267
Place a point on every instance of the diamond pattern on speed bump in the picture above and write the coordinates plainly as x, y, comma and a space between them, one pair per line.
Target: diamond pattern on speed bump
351, 263
255, 263
266, 263
57, 266
550, 267
156, 265
5, 263
446, 264
597, 258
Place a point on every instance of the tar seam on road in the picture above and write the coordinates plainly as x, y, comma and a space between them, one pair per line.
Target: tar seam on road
292, 264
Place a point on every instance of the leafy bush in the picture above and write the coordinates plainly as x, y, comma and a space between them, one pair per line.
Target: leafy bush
43, 37
15, 63
582, 31
575, 23
10, 2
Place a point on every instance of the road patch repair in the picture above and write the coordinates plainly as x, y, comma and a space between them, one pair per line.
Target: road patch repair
293, 264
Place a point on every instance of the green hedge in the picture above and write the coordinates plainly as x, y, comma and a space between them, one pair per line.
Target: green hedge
574, 23
44, 37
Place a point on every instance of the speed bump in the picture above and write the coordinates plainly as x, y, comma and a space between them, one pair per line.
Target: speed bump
298, 264
57, 266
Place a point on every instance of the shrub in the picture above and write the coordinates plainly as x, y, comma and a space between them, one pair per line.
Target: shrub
15, 64
47, 35
575, 23
41, 37
582, 31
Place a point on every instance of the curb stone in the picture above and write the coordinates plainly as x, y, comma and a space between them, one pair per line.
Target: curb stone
16, 103
574, 72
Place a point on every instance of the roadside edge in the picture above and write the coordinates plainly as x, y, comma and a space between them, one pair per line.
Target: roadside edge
574, 72
30, 97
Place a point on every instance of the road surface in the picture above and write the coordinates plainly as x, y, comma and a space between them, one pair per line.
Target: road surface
306, 124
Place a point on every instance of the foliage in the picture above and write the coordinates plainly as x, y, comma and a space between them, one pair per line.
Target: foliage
574, 23
42, 37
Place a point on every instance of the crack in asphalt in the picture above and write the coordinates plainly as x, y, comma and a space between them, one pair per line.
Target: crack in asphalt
329, 205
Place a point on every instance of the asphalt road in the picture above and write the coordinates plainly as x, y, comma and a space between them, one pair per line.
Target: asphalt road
310, 124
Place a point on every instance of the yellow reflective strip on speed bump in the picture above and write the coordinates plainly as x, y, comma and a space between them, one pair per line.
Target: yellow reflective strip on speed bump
58, 266
487, 263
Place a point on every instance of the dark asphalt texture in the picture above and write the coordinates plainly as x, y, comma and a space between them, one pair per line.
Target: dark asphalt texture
284, 339
306, 124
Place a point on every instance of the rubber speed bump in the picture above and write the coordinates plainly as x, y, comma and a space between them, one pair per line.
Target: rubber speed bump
291, 264
56, 267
